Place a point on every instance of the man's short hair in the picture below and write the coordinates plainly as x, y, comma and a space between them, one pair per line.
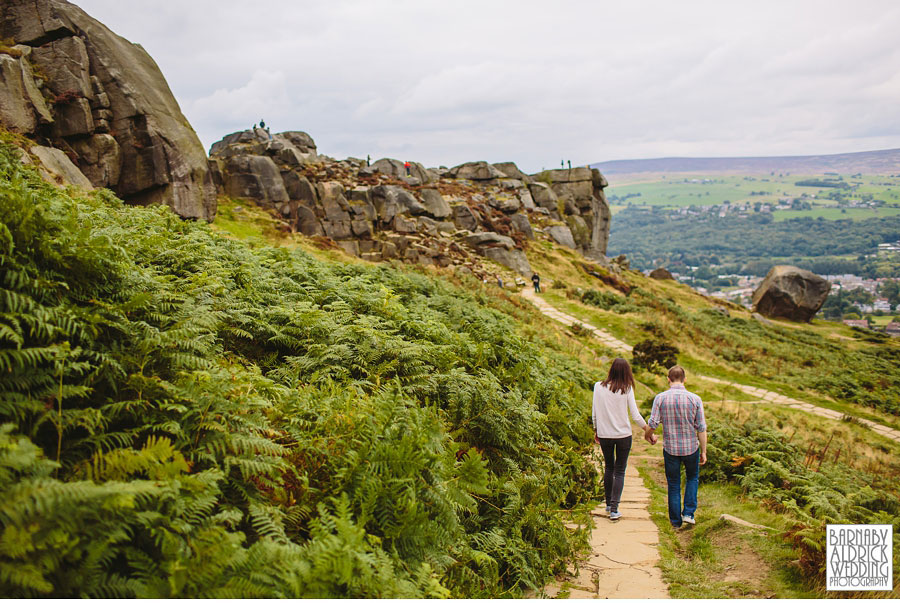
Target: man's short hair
676, 374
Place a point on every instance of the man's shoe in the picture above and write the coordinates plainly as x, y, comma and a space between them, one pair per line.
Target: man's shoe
615, 515
688, 519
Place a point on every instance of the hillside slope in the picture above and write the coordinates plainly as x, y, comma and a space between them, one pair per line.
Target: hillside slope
186, 415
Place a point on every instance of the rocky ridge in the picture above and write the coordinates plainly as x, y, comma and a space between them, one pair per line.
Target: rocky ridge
439, 216
97, 104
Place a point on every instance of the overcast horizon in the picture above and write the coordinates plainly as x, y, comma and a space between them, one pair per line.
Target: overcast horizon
444, 83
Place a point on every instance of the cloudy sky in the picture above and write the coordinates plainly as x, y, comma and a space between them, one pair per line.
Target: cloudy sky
533, 82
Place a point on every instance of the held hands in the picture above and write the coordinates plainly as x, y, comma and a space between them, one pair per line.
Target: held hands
650, 436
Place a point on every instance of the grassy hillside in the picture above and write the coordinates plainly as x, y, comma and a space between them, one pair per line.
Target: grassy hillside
799, 470
188, 415
824, 361
230, 410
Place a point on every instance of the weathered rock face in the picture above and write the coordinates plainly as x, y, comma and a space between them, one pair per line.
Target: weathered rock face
790, 292
379, 213
511, 170
56, 167
579, 191
103, 101
476, 170
393, 167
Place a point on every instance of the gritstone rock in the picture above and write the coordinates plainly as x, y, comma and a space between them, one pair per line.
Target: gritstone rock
435, 204
562, 235
100, 83
476, 170
790, 292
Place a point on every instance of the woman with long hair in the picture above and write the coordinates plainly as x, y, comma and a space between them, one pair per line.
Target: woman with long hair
613, 400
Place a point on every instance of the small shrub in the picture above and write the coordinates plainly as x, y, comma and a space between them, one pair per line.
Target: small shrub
66, 97
601, 299
654, 355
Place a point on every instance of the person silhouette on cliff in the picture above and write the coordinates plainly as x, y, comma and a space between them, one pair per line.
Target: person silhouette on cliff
262, 124
406, 165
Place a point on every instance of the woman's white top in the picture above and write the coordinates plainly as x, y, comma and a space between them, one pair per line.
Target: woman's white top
609, 412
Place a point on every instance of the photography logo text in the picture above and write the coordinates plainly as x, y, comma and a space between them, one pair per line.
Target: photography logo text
859, 557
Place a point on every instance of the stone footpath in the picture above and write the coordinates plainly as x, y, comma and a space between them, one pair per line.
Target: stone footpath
605, 338
623, 560
763, 396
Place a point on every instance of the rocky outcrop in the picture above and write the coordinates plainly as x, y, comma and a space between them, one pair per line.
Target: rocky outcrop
443, 217
73, 84
578, 194
790, 292
661, 274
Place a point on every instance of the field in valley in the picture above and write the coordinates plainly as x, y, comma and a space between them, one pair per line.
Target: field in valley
673, 191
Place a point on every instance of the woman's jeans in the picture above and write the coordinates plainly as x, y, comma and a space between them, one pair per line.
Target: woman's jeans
615, 459
691, 464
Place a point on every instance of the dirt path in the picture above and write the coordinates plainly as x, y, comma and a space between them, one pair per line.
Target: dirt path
762, 396
622, 563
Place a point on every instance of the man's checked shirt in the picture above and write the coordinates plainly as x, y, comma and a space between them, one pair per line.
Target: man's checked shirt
681, 414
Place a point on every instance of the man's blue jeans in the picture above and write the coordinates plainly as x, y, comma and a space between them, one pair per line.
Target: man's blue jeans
691, 464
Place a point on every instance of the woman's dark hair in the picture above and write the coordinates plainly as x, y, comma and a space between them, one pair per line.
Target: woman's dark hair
620, 379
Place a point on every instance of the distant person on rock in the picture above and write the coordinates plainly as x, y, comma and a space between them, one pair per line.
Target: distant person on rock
613, 401
368, 160
537, 282
406, 165
680, 412
262, 124
499, 282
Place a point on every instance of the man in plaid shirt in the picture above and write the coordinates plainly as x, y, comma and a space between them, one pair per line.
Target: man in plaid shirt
684, 443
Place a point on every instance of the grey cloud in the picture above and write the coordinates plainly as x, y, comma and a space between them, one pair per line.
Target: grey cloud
530, 81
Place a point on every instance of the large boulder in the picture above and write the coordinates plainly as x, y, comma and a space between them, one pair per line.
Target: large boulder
511, 258
254, 177
101, 83
790, 292
562, 235
476, 170
397, 169
520, 223
543, 195
661, 274
489, 238
511, 170
435, 204
56, 167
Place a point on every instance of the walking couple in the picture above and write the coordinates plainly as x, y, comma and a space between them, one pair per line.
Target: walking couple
679, 411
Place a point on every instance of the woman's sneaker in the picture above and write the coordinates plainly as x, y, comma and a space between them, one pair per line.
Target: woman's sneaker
608, 509
614, 515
